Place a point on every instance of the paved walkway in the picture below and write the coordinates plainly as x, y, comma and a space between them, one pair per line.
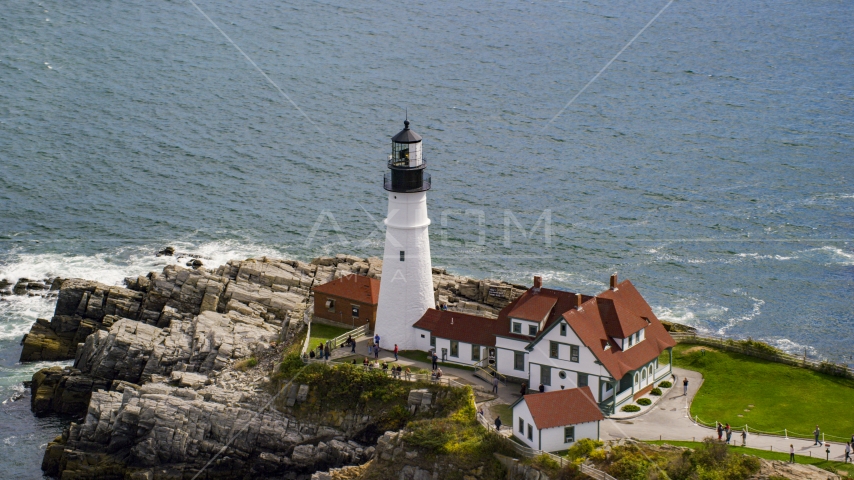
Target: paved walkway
670, 420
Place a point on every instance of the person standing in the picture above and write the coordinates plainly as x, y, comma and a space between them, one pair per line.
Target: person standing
743, 437
395, 352
377, 339
791, 453
495, 385
685, 386
353, 346
524, 389
435, 361
847, 452
498, 423
817, 433
542, 388
720, 429
326, 352
728, 434
376, 351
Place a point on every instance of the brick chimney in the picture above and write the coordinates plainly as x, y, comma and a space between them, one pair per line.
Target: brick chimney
614, 281
578, 301
538, 283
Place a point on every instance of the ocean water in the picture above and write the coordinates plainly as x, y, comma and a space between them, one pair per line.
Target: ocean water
710, 163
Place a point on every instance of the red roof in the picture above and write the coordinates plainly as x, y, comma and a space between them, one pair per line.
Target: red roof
458, 326
533, 307
563, 301
560, 408
618, 314
354, 287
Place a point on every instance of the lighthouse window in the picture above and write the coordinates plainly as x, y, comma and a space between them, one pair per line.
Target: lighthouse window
355, 309
401, 255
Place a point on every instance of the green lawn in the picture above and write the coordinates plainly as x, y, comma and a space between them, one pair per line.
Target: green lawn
769, 396
322, 333
504, 411
831, 466
420, 356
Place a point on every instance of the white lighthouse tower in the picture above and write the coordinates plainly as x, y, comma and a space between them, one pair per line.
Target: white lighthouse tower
406, 287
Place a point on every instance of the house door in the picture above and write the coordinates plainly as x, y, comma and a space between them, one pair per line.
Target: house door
444, 355
492, 357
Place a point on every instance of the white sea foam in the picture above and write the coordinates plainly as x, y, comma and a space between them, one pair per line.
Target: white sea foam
753, 313
835, 255
18, 312
112, 267
791, 347
757, 256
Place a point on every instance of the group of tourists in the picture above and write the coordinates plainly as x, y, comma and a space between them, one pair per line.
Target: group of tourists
727, 430
396, 370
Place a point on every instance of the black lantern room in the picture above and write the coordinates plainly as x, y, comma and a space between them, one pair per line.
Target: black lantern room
406, 164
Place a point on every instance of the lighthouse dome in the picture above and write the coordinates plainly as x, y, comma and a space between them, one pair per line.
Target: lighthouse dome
406, 135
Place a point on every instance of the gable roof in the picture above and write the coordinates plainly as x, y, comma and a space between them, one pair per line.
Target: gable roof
458, 326
560, 408
354, 287
533, 307
617, 314
560, 300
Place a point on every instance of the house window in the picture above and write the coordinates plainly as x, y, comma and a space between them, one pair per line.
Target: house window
475, 353
562, 329
573, 353
553, 349
631, 340
568, 434
517, 327
532, 330
521, 425
545, 375
355, 310
330, 305
432, 341
519, 361
562, 375
637, 337
401, 255
455, 348
582, 380
530, 433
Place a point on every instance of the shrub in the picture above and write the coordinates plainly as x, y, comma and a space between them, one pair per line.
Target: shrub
582, 448
630, 408
665, 384
597, 455
246, 364
644, 401
655, 391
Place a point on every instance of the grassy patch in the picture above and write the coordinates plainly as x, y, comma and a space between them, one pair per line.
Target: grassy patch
420, 356
782, 396
818, 462
246, 364
504, 411
321, 333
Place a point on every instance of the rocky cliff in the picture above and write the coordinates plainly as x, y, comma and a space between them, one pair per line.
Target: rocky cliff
156, 375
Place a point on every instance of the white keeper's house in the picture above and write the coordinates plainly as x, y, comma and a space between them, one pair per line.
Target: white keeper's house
610, 342
555, 420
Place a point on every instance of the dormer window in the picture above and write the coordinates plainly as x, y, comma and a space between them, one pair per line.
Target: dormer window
517, 327
562, 329
532, 330
631, 340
